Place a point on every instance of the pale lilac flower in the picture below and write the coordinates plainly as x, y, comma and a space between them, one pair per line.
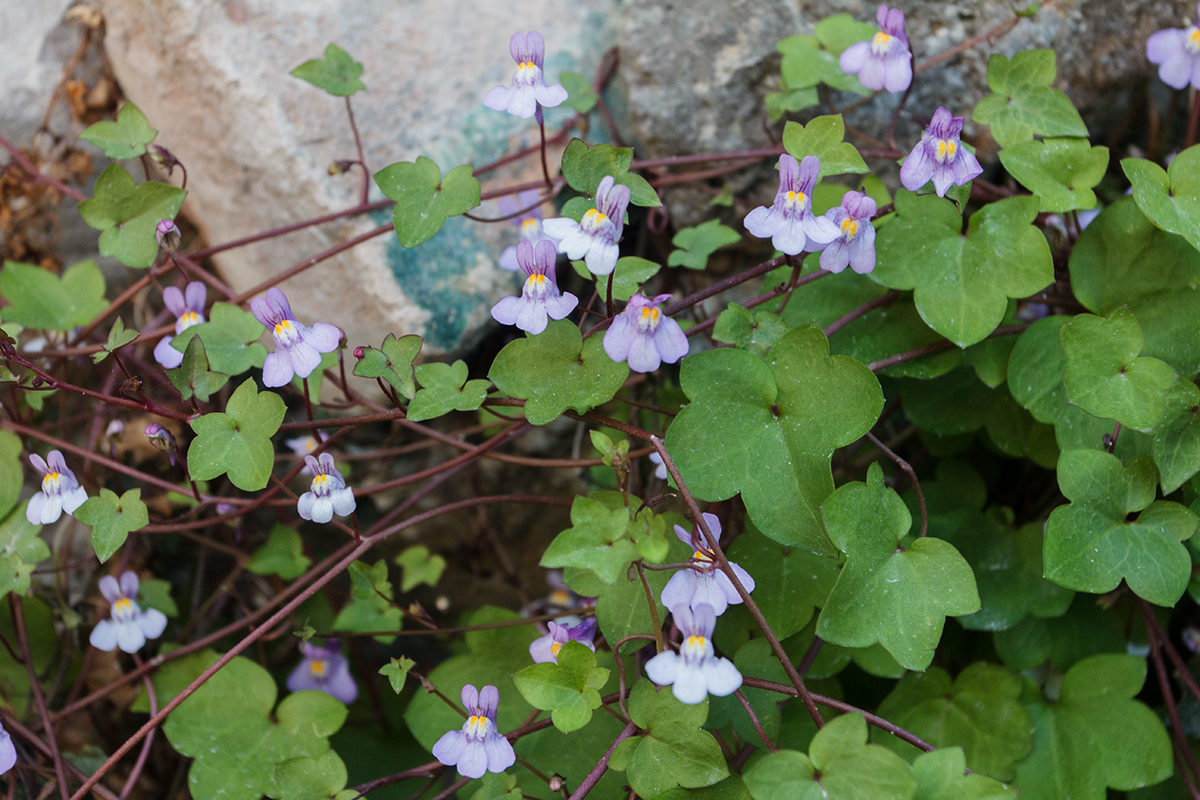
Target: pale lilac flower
188, 308
529, 91
298, 348
304, 445
329, 494
644, 336
8, 752
704, 582
695, 671
855, 244
545, 648
478, 747
60, 491
941, 156
594, 238
323, 669
128, 626
789, 221
885, 62
540, 297
660, 469
1177, 52
529, 224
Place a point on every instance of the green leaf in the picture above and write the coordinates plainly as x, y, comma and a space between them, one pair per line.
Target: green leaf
1091, 544
392, 362
1095, 736
396, 671
127, 137
779, 103
791, 412
307, 778
1023, 104
579, 91
628, 276
732, 788
962, 284
20, 549
597, 540
1105, 377
128, 213
230, 340
698, 243
1176, 437
754, 331
887, 594
823, 137
419, 566
498, 786
228, 727
371, 607
805, 63
112, 519
584, 167
979, 712
557, 370
156, 593
424, 199
238, 442
567, 688
11, 476
39, 299
1084, 630
839, 31
1061, 172
173, 676
282, 555
118, 337
941, 776
336, 73
1171, 197
193, 378
445, 388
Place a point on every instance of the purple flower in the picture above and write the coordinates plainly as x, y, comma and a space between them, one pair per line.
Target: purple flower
323, 669
128, 626
940, 156
643, 336
329, 494
704, 582
885, 62
529, 224
297, 349
1177, 52
478, 747
545, 648
304, 445
594, 238
539, 296
789, 221
161, 439
855, 244
60, 491
529, 91
695, 671
188, 308
167, 234
8, 753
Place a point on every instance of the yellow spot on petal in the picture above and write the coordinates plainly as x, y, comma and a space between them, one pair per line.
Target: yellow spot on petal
696, 642
122, 605
703, 555
528, 225
190, 318
317, 668
849, 228
320, 480
554, 648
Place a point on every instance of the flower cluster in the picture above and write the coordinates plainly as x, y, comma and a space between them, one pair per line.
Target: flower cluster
323, 669
529, 92
594, 238
695, 671
1177, 52
884, 62
540, 298
478, 747
329, 494
940, 157
298, 348
60, 491
128, 627
188, 308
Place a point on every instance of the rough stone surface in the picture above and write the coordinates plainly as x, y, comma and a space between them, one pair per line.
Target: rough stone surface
213, 78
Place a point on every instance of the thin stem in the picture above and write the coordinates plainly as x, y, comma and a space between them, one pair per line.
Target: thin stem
35, 686
658, 637
362, 161
542, 135
754, 720
1182, 747
937, 347
142, 756
14, 726
597, 772
863, 310
1193, 118
912, 477
36, 176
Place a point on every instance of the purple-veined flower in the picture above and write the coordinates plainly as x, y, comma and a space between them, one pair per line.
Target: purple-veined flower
1177, 52
884, 62
8, 752
329, 494
478, 747
128, 627
298, 348
545, 648
323, 669
529, 91
529, 224
790, 221
695, 671
940, 155
704, 582
60, 491
660, 469
540, 297
644, 336
594, 238
855, 244
188, 308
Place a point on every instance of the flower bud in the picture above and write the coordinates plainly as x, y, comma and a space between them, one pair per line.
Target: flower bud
115, 430
162, 439
162, 155
167, 234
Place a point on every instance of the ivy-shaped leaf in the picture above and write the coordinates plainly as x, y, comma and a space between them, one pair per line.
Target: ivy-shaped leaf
419, 566
824, 137
336, 73
498, 786
445, 388
156, 593
112, 519
238, 442
308, 778
557, 370
230, 339
598, 540
127, 137
1061, 172
790, 412
371, 607
566, 688
282, 555
424, 199
127, 214
392, 362
579, 91
627, 277
805, 63
962, 284
118, 337
754, 331
396, 671
1170, 197
21, 550
1091, 544
193, 378
698, 243
1177, 437
897, 597
584, 167
1023, 104
40, 299
941, 775
1085, 630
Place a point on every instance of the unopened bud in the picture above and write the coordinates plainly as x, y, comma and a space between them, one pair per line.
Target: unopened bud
557, 783
168, 236
359, 351
115, 430
162, 155
162, 439
340, 167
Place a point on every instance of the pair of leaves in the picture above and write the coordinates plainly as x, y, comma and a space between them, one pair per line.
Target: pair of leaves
392, 362
567, 687
698, 243
1170, 197
238, 441
606, 538
424, 199
584, 167
1023, 104
337, 73
42, 300
371, 607
118, 337
127, 214
282, 555
445, 388
1061, 171
126, 137
112, 519
824, 137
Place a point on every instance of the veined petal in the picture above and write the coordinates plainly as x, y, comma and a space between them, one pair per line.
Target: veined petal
129, 636
550, 96
506, 311
322, 336
473, 761
917, 169
450, 747
691, 685
1163, 45
51, 508
862, 251
173, 300
763, 221
680, 590
33, 511
304, 506
167, 357
643, 355
522, 102
710, 592
619, 338
277, 369
542, 650
341, 685
469, 697
531, 316
110, 589
820, 230
897, 70
854, 57
497, 99
500, 755
1176, 70
836, 256
789, 238
872, 75
304, 357
601, 257
489, 701
129, 584
671, 341
194, 296
559, 307
322, 510
721, 676
343, 502
73, 499
664, 668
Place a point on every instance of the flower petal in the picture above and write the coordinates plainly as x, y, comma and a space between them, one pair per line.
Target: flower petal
500, 755
323, 336
721, 676
663, 668
450, 747
110, 589
130, 637
854, 57
104, 635
277, 369
152, 622
497, 99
